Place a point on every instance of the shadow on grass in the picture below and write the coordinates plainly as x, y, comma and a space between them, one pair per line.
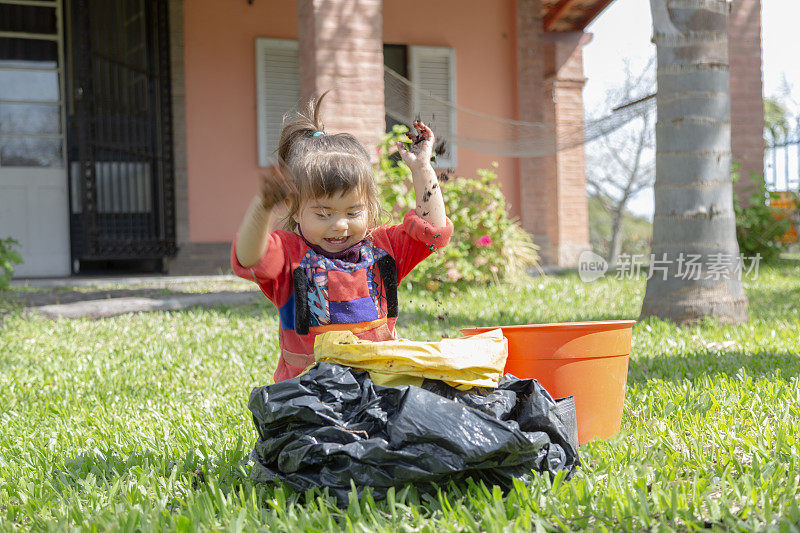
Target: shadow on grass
443, 321
455, 321
64, 296
227, 470
688, 366
773, 303
227, 473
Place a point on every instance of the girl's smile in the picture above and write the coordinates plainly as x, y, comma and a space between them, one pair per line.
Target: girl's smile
337, 241
334, 223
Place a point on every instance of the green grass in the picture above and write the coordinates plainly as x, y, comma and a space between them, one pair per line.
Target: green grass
139, 422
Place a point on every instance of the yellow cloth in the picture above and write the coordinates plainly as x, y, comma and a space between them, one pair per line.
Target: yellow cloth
474, 361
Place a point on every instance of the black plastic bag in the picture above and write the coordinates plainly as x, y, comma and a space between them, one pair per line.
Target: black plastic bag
332, 425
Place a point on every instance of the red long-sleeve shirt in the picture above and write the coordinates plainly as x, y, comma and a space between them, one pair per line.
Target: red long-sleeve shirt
315, 294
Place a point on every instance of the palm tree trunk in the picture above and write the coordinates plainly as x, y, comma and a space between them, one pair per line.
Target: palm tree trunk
694, 267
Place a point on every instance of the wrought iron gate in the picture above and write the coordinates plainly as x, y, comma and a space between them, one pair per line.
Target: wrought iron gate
120, 155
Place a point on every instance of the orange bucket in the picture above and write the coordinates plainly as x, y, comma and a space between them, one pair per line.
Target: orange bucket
587, 360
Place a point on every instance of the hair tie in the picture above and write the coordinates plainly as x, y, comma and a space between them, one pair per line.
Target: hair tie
319, 133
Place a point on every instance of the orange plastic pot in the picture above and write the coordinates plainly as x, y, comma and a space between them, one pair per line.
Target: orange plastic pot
587, 360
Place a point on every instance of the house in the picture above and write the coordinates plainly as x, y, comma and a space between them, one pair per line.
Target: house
132, 132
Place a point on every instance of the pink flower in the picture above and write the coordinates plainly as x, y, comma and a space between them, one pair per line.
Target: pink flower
484, 241
454, 274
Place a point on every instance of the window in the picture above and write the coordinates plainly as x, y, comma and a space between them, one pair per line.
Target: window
30, 91
432, 69
277, 91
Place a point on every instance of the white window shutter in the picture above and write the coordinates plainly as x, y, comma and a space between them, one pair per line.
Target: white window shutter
277, 91
433, 69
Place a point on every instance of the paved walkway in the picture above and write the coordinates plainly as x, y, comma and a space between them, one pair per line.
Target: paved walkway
98, 297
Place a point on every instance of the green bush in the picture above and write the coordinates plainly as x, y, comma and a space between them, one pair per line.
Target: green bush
8, 256
759, 226
487, 244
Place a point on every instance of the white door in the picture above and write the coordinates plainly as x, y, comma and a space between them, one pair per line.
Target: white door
33, 180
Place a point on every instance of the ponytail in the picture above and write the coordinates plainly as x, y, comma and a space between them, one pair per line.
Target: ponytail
303, 125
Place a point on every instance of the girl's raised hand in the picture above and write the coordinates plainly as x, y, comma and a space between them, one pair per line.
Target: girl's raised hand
421, 146
276, 185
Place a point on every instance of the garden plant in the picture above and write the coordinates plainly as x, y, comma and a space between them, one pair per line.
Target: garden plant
488, 245
8, 257
759, 226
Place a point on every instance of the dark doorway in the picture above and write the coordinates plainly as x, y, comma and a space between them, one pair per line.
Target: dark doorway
120, 134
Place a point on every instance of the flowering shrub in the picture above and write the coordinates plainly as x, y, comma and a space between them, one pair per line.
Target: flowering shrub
487, 245
760, 227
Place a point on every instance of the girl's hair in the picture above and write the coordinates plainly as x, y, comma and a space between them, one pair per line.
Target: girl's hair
322, 165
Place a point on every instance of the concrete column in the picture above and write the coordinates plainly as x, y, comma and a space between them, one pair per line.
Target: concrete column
341, 50
178, 87
747, 104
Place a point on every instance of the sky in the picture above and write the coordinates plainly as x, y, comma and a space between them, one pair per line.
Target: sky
624, 30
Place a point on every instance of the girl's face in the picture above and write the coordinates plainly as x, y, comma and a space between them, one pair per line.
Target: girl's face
334, 223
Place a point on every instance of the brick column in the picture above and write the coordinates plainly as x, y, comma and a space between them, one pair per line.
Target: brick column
552, 187
567, 210
566, 53
341, 49
533, 190
747, 104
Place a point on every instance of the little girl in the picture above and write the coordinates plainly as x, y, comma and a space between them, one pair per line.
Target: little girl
332, 268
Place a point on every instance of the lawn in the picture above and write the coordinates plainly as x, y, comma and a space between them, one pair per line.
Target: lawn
139, 422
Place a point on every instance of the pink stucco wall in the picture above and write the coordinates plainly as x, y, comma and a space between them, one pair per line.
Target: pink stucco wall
220, 89
221, 130
483, 36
